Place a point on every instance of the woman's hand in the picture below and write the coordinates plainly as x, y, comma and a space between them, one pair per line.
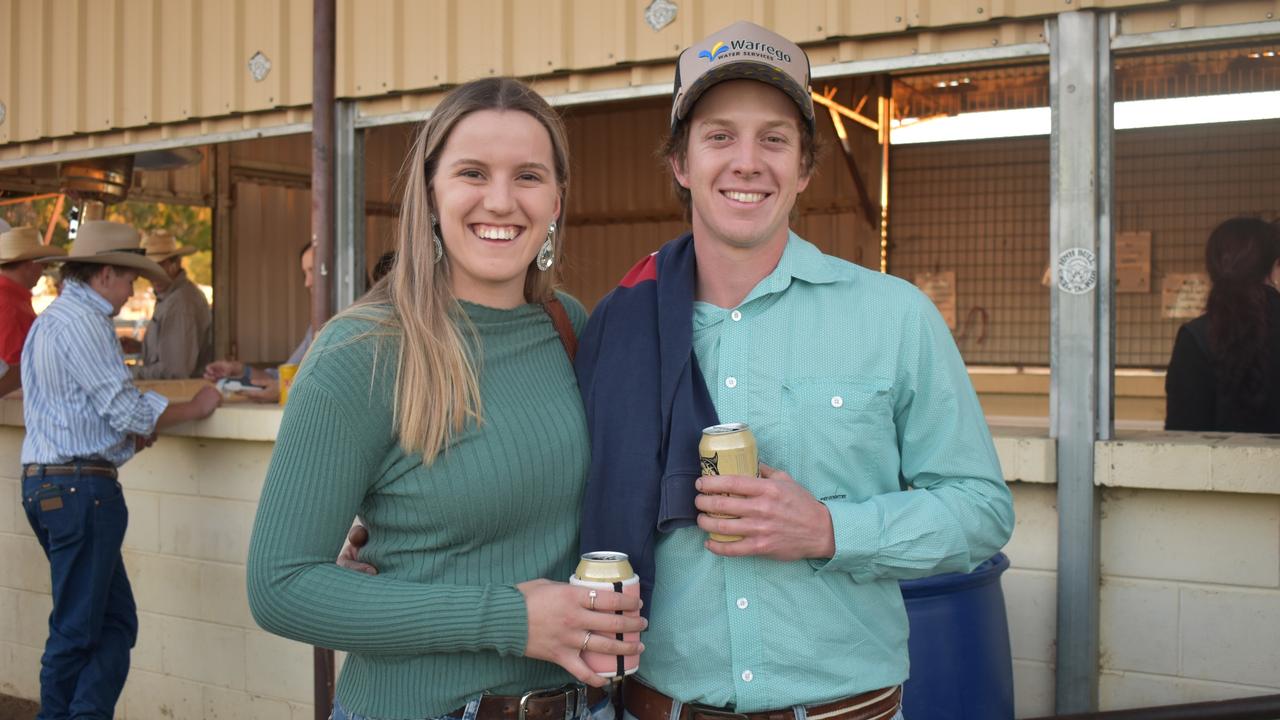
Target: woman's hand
560, 616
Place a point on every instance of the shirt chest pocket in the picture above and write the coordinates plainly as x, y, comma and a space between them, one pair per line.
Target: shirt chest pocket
834, 426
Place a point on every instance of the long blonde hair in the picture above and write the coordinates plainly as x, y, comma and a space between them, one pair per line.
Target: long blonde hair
437, 389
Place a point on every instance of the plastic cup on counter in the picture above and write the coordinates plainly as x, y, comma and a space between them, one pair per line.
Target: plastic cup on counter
287, 372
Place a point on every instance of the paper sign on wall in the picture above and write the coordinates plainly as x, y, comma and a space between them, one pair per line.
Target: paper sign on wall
1183, 295
1133, 262
941, 289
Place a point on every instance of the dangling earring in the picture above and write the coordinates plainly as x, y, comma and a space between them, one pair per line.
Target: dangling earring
547, 255
436, 244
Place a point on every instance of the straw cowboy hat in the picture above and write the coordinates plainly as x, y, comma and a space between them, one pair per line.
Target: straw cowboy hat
161, 246
24, 243
111, 243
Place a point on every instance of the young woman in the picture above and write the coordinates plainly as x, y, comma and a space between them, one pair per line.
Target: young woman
443, 410
1224, 374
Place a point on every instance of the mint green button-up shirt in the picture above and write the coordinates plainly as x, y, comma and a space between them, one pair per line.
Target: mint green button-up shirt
852, 383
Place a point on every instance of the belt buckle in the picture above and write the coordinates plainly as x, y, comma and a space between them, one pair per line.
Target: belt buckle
548, 693
713, 712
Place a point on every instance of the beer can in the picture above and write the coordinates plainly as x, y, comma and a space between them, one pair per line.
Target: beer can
728, 449
609, 571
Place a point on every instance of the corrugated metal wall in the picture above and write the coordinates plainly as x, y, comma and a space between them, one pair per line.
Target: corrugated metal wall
83, 66
271, 223
271, 220
71, 67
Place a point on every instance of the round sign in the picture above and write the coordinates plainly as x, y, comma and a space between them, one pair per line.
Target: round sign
1077, 270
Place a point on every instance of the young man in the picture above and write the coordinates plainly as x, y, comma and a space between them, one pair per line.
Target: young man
84, 419
19, 273
179, 339
876, 462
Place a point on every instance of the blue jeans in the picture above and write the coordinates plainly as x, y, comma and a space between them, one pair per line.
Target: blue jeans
472, 707
80, 521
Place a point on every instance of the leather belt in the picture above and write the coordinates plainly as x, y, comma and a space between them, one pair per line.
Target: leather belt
535, 704
88, 467
645, 703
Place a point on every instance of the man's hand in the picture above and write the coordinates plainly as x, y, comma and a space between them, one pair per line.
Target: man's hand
206, 401
219, 369
268, 394
349, 557
776, 516
142, 442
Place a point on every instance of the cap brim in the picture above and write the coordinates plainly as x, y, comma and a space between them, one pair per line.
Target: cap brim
147, 268
746, 70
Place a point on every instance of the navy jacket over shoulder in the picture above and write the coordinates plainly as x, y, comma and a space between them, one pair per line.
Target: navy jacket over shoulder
645, 430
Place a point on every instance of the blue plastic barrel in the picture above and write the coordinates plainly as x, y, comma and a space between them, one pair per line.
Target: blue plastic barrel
961, 668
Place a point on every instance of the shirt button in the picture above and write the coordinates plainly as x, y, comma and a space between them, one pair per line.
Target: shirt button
837, 401
736, 315
747, 676
731, 382
742, 603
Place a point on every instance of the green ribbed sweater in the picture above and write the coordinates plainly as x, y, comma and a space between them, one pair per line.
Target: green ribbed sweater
442, 621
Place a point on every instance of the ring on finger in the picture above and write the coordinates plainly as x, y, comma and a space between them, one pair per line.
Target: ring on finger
585, 640
592, 595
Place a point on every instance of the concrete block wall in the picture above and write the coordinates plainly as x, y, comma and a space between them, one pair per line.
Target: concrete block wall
1030, 595
1190, 596
1190, 568
199, 653
1190, 599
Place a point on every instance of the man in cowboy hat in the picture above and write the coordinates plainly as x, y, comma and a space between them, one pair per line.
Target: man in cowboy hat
179, 339
19, 273
84, 419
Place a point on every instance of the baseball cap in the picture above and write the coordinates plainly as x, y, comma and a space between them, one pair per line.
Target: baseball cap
742, 51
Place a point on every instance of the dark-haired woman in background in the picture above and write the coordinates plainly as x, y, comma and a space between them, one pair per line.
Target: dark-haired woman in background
1225, 371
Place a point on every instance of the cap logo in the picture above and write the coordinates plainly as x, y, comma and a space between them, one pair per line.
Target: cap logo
745, 48
716, 51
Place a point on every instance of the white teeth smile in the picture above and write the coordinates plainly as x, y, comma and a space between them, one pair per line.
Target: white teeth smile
493, 232
744, 197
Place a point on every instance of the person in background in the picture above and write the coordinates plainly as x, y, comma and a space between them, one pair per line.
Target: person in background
84, 419
1224, 373
268, 379
19, 273
179, 338
442, 408
876, 462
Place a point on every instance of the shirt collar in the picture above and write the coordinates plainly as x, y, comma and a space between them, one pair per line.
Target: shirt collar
82, 294
174, 284
800, 260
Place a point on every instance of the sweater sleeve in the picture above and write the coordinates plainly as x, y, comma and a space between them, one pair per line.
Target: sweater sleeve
325, 461
1189, 386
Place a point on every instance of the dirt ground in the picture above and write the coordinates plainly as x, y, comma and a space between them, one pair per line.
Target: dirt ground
12, 708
